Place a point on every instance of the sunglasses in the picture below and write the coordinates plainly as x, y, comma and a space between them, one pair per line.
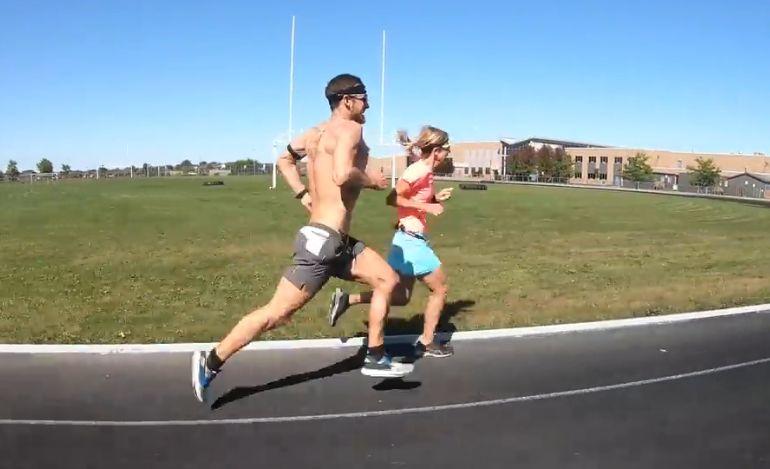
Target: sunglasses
362, 97
445, 146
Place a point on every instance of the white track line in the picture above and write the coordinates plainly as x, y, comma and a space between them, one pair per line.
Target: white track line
401, 339
380, 413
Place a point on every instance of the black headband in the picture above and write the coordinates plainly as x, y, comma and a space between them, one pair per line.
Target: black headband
354, 89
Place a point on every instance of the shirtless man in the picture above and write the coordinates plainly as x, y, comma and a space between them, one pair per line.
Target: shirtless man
336, 168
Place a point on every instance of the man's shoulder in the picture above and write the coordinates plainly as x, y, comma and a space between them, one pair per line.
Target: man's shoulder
349, 127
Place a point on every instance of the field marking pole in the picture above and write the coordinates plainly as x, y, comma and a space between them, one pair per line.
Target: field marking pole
291, 76
382, 112
382, 92
291, 102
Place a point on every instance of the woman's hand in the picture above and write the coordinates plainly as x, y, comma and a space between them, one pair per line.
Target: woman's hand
444, 194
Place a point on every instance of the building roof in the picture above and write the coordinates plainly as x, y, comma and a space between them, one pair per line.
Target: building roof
551, 141
694, 153
760, 178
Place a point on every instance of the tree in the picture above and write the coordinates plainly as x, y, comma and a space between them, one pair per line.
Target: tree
445, 167
521, 160
545, 162
65, 169
704, 174
45, 166
563, 165
185, 166
637, 169
247, 166
12, 171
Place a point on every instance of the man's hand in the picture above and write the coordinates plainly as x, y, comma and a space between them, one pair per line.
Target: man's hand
444, 194
434, 209
379, 182
307, 201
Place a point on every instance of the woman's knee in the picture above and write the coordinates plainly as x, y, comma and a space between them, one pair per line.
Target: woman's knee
440, 290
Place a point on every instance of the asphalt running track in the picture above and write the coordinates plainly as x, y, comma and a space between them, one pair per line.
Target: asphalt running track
693, 394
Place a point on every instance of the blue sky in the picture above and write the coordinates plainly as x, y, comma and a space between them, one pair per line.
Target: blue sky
127, 82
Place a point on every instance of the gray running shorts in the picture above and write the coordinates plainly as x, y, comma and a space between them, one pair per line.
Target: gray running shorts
319, 254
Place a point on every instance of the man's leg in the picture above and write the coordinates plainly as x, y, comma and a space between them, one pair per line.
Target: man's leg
401, 295
369, 268
286, 300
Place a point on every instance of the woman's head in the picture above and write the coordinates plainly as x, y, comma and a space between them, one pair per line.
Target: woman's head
431, 141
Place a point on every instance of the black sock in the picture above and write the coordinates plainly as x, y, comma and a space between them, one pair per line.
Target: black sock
213, 362
376, 352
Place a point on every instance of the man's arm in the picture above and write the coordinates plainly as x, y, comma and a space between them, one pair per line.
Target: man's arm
287, 163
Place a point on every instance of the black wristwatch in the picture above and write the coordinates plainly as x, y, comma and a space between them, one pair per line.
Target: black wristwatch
301, 193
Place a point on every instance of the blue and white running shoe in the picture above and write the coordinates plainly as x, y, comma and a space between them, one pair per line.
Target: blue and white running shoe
201, 375
385, 367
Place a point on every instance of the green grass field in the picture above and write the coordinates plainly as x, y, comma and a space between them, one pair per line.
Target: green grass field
169, 260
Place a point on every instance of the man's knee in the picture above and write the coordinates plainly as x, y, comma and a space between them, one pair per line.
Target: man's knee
275, 315
281, 308
387, 281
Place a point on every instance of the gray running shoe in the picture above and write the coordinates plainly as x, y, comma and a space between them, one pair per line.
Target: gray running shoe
433, 349
339, 304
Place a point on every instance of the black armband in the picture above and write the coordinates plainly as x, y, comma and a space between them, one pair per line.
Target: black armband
301, 193
294, 154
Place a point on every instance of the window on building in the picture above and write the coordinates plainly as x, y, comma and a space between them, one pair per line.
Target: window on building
618, 167
591, 167
603, 168
486, 170
578, 167
466, 170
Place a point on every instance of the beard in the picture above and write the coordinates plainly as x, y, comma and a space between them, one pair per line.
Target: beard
360, 118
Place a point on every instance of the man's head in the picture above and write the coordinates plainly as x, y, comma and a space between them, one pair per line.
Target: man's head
347, 94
